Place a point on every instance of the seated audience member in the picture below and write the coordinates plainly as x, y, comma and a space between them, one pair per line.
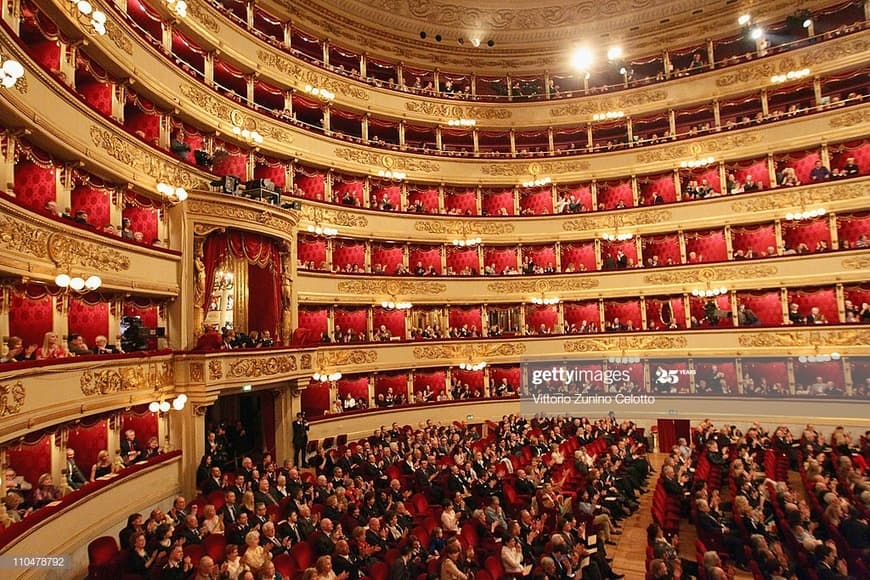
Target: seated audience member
15, 482
17, 352
746, 317
102, 346
794, 315
789, 178
51, 348
73, 475
131, 450
851, 169
45, 492
81, 217
126, 229
52, 209
819, 172
816, 317
77, 345
102, 467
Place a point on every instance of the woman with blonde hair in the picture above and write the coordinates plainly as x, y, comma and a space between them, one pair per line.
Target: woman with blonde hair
255, 554
323, 565
247, 504
233, 567
211, 522
449, 568
51, 349
45, 492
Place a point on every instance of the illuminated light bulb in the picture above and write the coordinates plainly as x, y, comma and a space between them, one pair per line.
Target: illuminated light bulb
165, 406
93, 282
62, 280
835, 356
13, 68
98, 17
84, 7
744, 19
802, 359
182, 397
581, 59
154, 406
614, 53
756, 33
181, 194
316, 376
77, 284
178, 404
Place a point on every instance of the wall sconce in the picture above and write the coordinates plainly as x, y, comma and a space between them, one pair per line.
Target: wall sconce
790, 76
609, 114
171, 193
325, 377
466, 242
249, 136
163, 406
472, 366
390, 174
709, 292
319, 230
538, 182
544, 301
694, 163
617, 237
178, 7
86, 14
10, 71
461, 123
806, 215
322, 94
396, 305
819, 358
78, 283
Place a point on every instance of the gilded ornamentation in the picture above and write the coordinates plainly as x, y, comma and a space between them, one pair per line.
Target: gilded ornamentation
311, 77
131, 378
618, 103
305, 362
212, 105
691, 150
11, 399
21, 237
539, 286
711, 274
203, 16
328, 359
392, 287
620, 343
21, 85
215, 370
813, 338
452, 111
779, 200
117, 35
850, 119
602, 222
255, 218
333, 217
542, 168
829, 52
468, 351
148, 163
490, 228
756, 72
196, 372
373, 159
263, 367
245, 121
861, 263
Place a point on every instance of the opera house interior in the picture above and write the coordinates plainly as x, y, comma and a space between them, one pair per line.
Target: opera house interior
370, 289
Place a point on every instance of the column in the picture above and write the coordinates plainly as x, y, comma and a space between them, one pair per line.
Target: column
550, 142
590, 142
249, 85
119, 97
362, 65
405, 257
601, 315
208, 68
288, 105
547, 84
738, 369
638, 247
400, 74
327, 186
326, 60
522, 318
519, 263
10, 12
367, 260
687, 310
780, 243
666, 63
554, 194
672, 122
187, 432
771, 170
249, 14
765, 108
448, 382
593, 190
475, 143
329, 244
371, 391
367, 193
478, 201
7, 163
516, 201
789, 365
5, 298
598, 261
403, 197
841, 303
443, 255
630, 129
558, 256
635, 193
473, 84
783, 302
365, 128
288, 35
732, 296
402, 133
284, 415
826, 155
487, 382
817, 90
509, 87
479, 260
678, 186
441, 197
438, 143
326, 119
692, 384
729, 247
409, 387
717, 115
711, 57
330, 322
513, 139
166, 41
560, 317
835, 236
370, 324
436, 80
723, 178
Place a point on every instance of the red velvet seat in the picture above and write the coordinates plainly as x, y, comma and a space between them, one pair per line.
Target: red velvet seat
303, 554
215, 547
102, 558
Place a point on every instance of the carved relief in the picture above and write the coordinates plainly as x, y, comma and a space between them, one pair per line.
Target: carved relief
540, 168
392, 287
212, 105
710, 274
468, 351
605, 344
248, 216
11, 399
779, 200
539, 286
21, 85
215, 370
457, 111
492, 228
263, 367
379, 160
821, 338
305, 361
602, 105
604, 222
117, 35
335, 358
204, 16
850, 119
862, 263
333, 217
131, 378
700, 148
196, 372
305, 76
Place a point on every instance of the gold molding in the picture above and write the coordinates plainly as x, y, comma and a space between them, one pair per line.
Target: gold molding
304, 76
601, 105
375, 160
449, 110
859, 263
590, 221
815, 338
17, 393
534, 168
117, 35
196, 371
152, 376
204, 16
468, 351
794, 197
698, 148
333, 217
327, 359
248, 216
262, 367
462, 227
623, 343
215, 370
539, 286
711, 274
850, 119
62, 249
392, 287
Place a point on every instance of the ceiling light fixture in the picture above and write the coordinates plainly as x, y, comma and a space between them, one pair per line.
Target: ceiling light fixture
693, 163
247, 135
87, 15
756, 33
614, 53
790, 76
172, 193
10, 71
78, 283
806, 215
709, 292
325, 377
394, 305
320, 93
468, 366
617, 237
467, 242
608, 115
744, 19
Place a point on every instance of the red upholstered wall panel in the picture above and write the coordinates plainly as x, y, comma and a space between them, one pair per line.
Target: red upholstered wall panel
709, 246
312, 250
581, 255
35, 185
396, 381
458, 259
696, 310
538, 201
627, 247
428, 198
312, 185
766, 305
314, 319
581, 192
498, 202
315, 399
388, 255
235, 163
757, 168
149, 315
31, 461
612, 194
536, 316
358, 387
96, 202
760, 239
852, 227
142, 219
136, 120
667, 248
89, 320
857, 294
426, 255
46, 53
351, 319
802, 162
354, 187
704, 370
578, 312
861, 375
542, 256
683, 384
764, 371
663, 184
459, 316
859, 150
465, 202
808, 373
654, 306
142, 421
823, 298
274, 172
30, 319
512, 373
87, 441
392, 192
626, 311
474, 379
96, 94
394, 320
436, 380
809, 233
347, 253
501, 258
709, 174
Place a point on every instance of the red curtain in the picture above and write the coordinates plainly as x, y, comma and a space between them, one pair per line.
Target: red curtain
315, 399
512, 373
808, 233
396, 381
760, 239
426, 256
426, 198
464, 202
708, 246
358, 387
496, 201
349, 253
315, 320
501, 259
474, 379
273, 170
143, 217
771, 372
458, 259
31, 459
628, 311
436, 381
767, 306
823, 298
89, 319
387, 255
458, 317
653, 184
654, 312
615, 194
351, 319
667, 248
576, 313
541, 316
264, 299
31, 317
541, 255
537, 201
88, 439
142, 421
393, 320
580, 255
95, 93
148, 312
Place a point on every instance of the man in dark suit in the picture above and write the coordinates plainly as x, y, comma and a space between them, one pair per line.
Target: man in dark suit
214, 482
130, 448
300, 439
343, 562
74, 476
189, 531
400, 569
237, 532
289, 528
323, 542
264, 493
230, 511
828, 567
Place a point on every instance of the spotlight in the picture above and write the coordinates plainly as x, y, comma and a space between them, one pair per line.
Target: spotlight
490, 43
756, 33
614, 53
423, 34
437, 38
622, 70
744, 20
581, 59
